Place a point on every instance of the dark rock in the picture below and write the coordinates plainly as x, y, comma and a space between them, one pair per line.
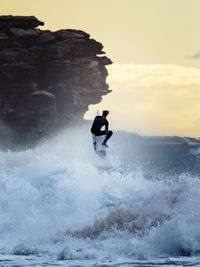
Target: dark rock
184, 253
69, 34
46, 78
23, 22
16, 32
13, 55
40, 102
3, 36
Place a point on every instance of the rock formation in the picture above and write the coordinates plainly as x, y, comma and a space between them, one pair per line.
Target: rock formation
46, 78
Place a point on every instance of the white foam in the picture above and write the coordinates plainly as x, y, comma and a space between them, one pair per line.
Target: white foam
59, 188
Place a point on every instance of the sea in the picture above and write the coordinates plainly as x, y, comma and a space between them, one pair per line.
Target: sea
63, 205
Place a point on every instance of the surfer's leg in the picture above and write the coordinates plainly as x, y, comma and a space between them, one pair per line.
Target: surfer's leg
109, 134
94, 141
95, 146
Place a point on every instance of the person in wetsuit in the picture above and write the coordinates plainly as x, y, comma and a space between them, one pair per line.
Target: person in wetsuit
98, 122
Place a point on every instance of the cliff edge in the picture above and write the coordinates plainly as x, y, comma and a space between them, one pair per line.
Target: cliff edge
47, 79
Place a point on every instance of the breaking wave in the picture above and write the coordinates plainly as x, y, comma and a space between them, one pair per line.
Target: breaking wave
60, 199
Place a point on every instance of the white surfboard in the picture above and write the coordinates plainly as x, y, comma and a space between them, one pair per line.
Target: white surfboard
98, 140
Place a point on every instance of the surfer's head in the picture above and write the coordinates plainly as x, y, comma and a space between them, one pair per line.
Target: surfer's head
105, 113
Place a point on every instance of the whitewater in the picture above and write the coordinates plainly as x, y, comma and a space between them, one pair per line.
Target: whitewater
61, 205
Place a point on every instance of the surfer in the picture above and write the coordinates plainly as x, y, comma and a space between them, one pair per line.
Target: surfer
98, 122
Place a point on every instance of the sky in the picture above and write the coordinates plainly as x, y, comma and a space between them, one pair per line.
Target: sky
155, 49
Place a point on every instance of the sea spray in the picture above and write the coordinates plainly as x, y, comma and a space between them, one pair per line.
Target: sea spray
60, 199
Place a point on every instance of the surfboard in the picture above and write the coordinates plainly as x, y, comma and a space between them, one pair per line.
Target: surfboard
98, 140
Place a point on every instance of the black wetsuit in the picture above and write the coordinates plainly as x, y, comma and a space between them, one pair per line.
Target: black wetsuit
98, 122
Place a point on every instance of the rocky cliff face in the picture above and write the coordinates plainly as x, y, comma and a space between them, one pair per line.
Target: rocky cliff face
46, 78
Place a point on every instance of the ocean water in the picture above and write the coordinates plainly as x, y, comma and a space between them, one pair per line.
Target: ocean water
61, 205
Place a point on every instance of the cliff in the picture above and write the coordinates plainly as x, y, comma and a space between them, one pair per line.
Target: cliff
47, 78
